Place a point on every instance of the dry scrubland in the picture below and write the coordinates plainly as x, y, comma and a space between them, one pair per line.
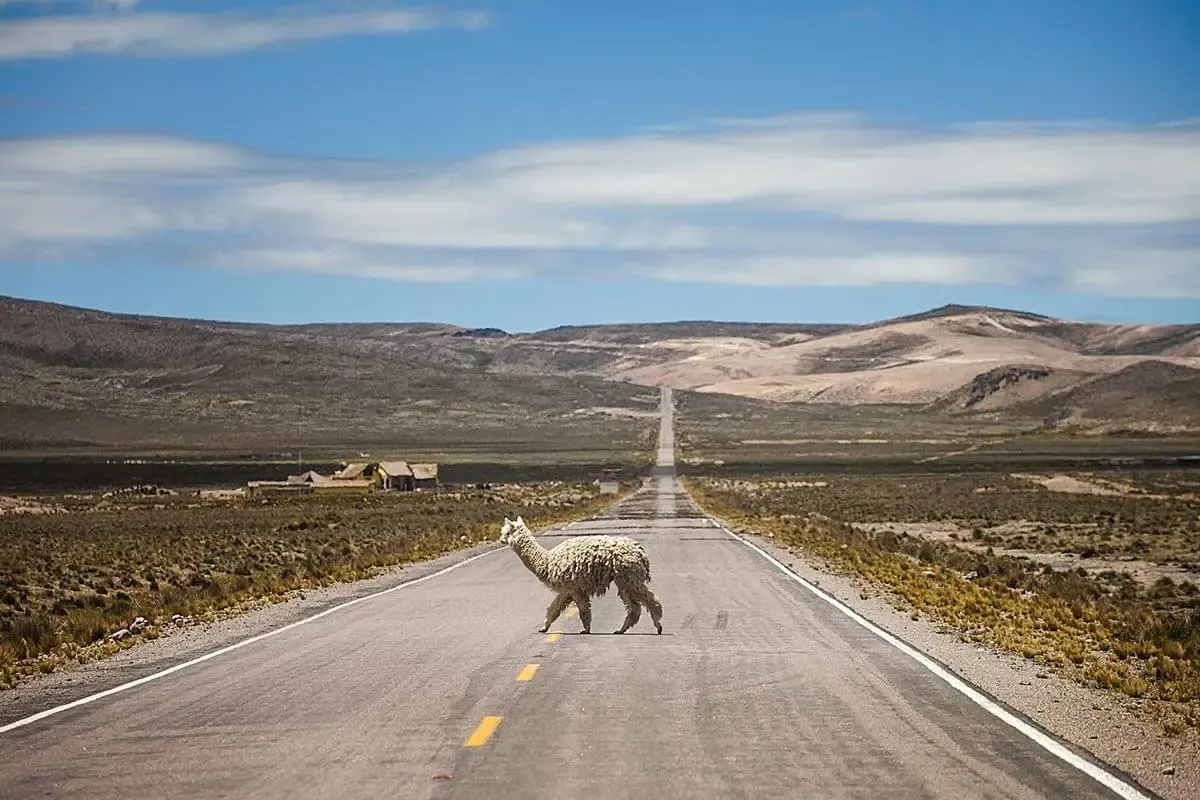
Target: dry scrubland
75, 570
755, 438
1101, 516
741, 431
1100, 626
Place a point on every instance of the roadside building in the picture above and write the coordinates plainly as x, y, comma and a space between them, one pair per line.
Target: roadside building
395, 476
353, 471
356, 476
425, 476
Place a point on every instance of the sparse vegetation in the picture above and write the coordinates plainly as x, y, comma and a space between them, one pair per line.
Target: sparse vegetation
1105, 629
1154, 516
70, 580
755, 438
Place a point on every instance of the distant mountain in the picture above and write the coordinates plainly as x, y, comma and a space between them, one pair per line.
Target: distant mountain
957, 359
71, 376
955, 310
482, 333
650, 332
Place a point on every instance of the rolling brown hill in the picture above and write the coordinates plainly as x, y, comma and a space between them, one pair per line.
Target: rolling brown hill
928, 359
72, 377
1151, 395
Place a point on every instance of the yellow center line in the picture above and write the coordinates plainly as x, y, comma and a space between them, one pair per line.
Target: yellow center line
527, 673
483, 732
553, 637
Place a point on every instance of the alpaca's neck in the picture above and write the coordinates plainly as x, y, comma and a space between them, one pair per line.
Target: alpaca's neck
532, 554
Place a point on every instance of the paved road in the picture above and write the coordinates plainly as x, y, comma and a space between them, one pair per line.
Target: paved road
756, 689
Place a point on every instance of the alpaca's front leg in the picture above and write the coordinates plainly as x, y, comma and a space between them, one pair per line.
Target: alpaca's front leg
584, 604
556, 607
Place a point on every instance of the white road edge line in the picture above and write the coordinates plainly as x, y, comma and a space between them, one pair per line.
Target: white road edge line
91, 698
1048, 743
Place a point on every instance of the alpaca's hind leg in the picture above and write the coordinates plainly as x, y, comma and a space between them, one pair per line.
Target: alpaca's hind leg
584, 604
651, 603
556, 607
633, 609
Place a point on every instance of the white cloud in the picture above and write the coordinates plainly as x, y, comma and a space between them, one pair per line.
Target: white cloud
357, 263
1146, 272
858, 172
46, 214
208, 34
110, 157
808, 200
847, 269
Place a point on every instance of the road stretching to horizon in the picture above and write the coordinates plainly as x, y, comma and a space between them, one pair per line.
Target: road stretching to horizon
758, 688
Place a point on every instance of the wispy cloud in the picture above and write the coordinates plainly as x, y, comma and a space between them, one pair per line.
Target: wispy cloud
805, 200
209, 34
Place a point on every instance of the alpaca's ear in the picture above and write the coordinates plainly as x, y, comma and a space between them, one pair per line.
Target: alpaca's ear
520, 521
507, 521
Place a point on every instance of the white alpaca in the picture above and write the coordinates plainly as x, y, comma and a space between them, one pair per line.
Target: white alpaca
582, 568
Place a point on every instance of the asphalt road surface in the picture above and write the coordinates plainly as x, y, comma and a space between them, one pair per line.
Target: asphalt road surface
757, 688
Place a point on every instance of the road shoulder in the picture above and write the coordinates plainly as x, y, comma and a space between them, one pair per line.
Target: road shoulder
1092, 720
177, 645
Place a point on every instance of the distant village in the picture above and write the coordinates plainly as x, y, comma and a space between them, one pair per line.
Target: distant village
361, 477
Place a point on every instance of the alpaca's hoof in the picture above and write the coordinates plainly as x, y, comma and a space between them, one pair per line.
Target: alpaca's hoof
585, 631
658, 625
618, 633
543, 630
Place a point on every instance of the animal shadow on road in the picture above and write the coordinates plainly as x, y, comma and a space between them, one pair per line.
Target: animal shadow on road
610, 633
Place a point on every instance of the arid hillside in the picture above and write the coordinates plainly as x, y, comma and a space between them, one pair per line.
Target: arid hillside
75, 377
960, 360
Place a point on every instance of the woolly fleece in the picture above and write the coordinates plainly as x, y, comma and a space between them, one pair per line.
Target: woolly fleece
583, 567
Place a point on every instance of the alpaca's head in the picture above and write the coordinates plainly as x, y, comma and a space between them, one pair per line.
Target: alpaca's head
511, 528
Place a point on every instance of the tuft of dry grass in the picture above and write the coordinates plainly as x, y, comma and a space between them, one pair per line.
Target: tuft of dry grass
69, 581
1105, 631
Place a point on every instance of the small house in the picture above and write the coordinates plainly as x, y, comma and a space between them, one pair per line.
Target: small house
353, 471
425, 476
395, 475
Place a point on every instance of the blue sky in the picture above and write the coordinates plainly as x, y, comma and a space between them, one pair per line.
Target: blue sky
531, 163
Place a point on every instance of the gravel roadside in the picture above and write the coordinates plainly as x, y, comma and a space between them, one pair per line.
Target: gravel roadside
178, 644
1099, 722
